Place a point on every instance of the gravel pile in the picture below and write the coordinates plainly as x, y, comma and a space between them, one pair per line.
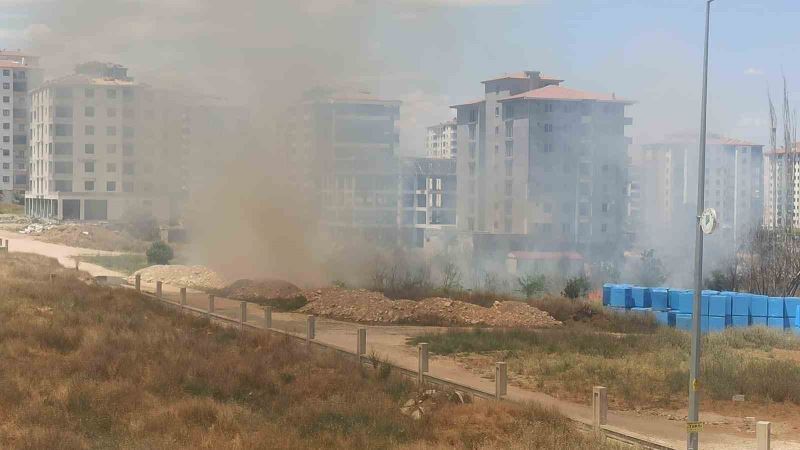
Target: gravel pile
372, 307
250, 290
192, 277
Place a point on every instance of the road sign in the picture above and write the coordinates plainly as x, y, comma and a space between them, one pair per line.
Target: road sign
708, 221
694, 427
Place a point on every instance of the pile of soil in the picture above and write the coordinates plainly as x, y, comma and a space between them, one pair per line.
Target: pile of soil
97, 237
192, 277
372, 307
254, 290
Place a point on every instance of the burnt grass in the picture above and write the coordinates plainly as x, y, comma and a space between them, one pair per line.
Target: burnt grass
95, 367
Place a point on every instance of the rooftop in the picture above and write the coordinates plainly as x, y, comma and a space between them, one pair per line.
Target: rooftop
82, 80
554, 92
524, 75
473, 102
711, 139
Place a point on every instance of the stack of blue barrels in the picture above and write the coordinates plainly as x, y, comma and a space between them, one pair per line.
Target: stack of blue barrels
718, 310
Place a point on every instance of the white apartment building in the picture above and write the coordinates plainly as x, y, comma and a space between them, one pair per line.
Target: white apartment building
440, 140
101, 144
782, 185
19, 73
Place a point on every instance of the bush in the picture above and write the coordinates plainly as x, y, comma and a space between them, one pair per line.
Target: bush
159, 253
530, 285
576, 287
140, 224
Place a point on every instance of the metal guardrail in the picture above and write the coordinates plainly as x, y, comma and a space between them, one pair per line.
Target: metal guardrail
608, 431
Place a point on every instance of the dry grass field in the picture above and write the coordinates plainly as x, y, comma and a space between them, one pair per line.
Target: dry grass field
88, 367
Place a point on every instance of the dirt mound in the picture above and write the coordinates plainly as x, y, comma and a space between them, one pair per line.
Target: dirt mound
372, 307
97, 237
250, 290
193, 277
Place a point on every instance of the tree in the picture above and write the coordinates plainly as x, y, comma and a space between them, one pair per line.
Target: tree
451, 277
651, 270
530, 285
576, 287
159, 253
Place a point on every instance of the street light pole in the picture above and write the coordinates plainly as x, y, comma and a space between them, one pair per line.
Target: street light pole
693, 441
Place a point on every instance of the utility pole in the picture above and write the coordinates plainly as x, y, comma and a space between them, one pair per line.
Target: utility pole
692, 423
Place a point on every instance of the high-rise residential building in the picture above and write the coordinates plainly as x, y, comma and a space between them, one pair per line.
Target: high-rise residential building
544, 165
782, 187
428, 199
19, 73
101, 145
440, 140
667, 178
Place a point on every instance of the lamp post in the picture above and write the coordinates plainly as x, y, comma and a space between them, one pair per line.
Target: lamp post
692, 423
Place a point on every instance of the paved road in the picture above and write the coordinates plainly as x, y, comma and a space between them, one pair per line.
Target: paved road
389, 342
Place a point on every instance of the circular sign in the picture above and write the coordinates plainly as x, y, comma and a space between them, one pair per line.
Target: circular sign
708, 221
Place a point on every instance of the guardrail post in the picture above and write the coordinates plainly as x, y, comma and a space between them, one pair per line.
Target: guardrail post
138, 281
158, 289
599, 407
762, 435
361, 343
77, 264
210, 304
500, 380
52, 278
268, 317
183, 297
310, 328
242, 313
422, 365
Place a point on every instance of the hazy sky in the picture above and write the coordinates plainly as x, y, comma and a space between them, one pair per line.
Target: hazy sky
434, 53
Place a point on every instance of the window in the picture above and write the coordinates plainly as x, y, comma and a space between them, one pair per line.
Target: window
497, 111
6, 112
548, 128
472, 150
473, 115
62, 167
508, 167
88, 167
88, 130
111, 131
88, 185
88, 92
603, 228
6, 99
509, 149
6, 126
88, 149
127, 149
63, 111
6, 179
127, 187
496, 131
509, 129
111, 148
6, 72
128, 168
509, 187
111, 167
63, 186
128, 132
63, 148
6, 85
112, 112
604, 207
6, 139
111, 93
6, 166
111, 186
88, 111
547, 147
63, 129
548, 107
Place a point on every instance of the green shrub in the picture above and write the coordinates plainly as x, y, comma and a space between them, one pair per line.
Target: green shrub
159, 253
530, 285
576, 287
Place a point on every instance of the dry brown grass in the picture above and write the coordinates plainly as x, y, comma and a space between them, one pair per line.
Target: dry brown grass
93, 367
99, 237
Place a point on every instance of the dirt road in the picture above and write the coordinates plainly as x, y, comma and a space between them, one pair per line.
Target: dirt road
389, 342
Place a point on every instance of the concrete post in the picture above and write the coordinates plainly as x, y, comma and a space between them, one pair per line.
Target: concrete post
138, 281
762, 435
52, 278
422, 365
361, 345
268, 317
310, 328
158, 289
599, 407
500, 380
210, 303
77, 264
183, 297
242, 313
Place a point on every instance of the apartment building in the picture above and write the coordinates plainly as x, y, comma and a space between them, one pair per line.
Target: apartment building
19, 73
101, 144
782, 187
440, 140
428, 200
734, 183
542, 165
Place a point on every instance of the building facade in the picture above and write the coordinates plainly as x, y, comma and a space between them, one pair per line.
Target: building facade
544, 165
100, 146
782, 187
734, 183
428, 200
441, 140
19, 73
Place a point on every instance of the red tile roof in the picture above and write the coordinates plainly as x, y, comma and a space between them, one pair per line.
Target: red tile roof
520, 76
553, 92
549, 256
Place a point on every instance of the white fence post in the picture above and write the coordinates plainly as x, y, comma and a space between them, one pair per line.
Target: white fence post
599, 407
500, 380
52, 278
158, 289
310, 328
268, 317
211, 306
762, 435
361, 344
422, 365
183, 297
138, 281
